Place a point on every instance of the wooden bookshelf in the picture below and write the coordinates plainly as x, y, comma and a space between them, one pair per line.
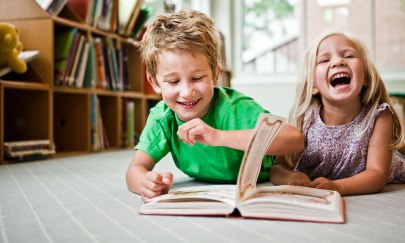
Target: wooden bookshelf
32, 106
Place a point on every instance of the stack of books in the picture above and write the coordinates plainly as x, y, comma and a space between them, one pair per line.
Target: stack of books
28, 149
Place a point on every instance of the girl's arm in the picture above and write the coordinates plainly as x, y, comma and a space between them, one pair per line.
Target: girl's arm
379, 157
283, 174
142, 180
288, 139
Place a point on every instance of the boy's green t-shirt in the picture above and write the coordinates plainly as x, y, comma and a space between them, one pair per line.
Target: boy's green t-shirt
229, 110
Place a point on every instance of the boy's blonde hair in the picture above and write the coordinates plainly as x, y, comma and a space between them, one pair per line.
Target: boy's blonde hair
373, 93
187, 30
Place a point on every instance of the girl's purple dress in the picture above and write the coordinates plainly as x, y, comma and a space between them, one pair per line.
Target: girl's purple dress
336, 152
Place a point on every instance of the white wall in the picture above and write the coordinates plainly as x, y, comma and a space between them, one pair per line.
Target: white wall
276, 98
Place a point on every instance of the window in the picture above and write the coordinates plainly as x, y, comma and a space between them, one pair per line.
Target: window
275, 33
270, 36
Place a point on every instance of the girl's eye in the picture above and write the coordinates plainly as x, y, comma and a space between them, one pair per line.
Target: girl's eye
322, 61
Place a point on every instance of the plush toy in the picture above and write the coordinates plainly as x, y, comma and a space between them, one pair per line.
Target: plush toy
10, 47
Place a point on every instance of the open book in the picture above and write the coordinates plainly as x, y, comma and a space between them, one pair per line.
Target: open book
248, 200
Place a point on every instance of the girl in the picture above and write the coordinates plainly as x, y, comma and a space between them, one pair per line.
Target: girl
352, 134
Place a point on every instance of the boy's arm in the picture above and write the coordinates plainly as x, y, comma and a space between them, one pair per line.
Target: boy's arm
142, 180
379, 157
288, 139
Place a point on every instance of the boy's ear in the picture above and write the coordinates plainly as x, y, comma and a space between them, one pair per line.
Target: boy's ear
153, 83
216, 76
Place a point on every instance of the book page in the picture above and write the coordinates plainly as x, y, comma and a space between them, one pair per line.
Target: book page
287, 202
220, 193
266, 129
289, 194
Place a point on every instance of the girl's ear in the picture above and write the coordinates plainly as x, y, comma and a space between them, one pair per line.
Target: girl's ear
153, 83
315, 90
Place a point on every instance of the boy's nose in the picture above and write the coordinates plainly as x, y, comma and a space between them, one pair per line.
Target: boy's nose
187, 90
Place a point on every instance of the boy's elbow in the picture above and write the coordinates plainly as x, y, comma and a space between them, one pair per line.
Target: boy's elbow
300, 142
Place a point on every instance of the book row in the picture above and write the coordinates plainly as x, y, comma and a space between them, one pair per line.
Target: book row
124, 17
99, 136
79, 62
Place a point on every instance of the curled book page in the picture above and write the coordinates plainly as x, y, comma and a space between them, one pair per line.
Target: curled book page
266, 129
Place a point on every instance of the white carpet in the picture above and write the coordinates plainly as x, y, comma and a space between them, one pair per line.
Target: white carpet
85, 199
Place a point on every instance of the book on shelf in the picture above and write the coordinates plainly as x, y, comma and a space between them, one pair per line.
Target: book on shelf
53, 7
64, 45
26, 56
101, 76
80, 8
130, 132
76, 56
99, 138
28, 149
128, 123
90, 70
144, 14
128, 12
79, 78
249, 200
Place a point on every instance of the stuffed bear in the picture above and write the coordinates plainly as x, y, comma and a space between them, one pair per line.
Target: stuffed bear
10, 47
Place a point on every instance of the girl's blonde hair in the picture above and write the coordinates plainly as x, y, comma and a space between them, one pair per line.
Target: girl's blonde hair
373, 93
187, 30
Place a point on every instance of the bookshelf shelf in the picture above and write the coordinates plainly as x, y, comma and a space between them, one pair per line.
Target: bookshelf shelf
34, 106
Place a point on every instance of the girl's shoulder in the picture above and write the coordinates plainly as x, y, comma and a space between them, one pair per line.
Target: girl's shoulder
371, 114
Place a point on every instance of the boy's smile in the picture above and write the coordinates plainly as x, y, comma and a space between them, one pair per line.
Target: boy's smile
186, 83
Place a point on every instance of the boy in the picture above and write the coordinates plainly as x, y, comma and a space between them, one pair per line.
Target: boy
181, 53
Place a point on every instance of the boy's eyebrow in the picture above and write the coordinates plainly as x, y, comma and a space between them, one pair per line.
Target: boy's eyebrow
169, 74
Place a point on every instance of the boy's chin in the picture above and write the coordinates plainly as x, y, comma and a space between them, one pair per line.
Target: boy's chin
186, 119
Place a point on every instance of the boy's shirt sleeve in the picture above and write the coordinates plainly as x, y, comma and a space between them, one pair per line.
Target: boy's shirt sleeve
243, 114
153, 140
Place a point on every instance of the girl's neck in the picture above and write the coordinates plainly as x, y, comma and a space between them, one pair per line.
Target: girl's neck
339, 115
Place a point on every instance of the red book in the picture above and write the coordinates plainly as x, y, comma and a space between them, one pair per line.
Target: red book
80, 8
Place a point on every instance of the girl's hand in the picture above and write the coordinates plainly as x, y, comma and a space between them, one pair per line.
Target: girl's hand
324, 183
197, 131
299, 179
155, 184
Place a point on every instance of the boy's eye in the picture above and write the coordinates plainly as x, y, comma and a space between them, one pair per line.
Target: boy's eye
197, 78
172, 81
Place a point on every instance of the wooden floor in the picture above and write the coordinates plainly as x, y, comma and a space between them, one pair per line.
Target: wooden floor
85, 199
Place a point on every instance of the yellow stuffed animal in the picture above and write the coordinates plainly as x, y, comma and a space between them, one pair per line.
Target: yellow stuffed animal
10, 47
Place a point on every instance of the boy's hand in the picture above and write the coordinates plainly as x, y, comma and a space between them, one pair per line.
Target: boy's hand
299, 179
195, 131
155, 184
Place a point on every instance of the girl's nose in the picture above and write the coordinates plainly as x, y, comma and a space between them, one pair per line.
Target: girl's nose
336, 62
